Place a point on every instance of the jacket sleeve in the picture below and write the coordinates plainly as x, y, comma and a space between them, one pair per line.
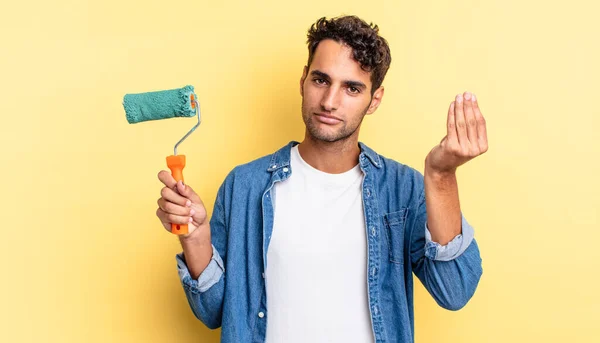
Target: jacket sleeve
450, 273
205, 294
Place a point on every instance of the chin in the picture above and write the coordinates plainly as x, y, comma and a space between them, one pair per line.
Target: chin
329, 137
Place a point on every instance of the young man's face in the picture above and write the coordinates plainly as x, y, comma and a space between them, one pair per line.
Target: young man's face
336, 93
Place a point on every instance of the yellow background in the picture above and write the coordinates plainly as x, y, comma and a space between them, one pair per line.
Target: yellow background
83, 257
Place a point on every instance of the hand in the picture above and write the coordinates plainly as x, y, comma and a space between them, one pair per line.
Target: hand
466, 137
179, 204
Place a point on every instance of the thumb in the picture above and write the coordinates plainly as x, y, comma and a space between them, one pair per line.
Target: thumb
187, 191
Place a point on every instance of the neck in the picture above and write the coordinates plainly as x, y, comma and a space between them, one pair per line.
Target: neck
333, 158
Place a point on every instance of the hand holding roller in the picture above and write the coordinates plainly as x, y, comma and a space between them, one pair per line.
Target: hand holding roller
162, 105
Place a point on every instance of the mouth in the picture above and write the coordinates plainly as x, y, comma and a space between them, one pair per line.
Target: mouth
327, 119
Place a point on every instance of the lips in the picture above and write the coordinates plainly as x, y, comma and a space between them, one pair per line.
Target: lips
327, 119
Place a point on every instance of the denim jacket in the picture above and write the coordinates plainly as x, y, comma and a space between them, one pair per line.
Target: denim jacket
230, 293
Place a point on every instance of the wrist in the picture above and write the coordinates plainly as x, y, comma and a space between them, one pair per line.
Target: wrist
439, 175
438, 171
199, 235
436, 180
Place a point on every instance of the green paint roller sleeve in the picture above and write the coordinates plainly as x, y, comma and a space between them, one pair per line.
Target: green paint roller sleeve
159, 105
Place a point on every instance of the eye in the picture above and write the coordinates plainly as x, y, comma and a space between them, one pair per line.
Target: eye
320, 81
354, 90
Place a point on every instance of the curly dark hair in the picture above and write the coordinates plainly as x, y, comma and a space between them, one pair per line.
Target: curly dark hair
369, 49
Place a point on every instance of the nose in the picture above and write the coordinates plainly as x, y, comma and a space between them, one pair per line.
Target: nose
330, 99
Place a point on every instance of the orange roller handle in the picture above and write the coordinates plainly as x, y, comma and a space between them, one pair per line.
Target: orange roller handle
176, 163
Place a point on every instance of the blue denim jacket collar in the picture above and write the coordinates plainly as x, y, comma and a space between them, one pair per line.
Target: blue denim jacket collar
281, 158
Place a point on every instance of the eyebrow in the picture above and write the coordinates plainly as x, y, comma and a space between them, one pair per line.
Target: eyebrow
349, 83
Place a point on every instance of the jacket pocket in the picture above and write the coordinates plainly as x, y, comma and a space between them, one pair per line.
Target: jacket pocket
394, 227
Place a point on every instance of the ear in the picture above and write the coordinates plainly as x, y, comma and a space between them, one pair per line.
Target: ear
304, 73
376, 100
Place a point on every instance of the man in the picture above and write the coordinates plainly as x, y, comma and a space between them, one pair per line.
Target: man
318, 241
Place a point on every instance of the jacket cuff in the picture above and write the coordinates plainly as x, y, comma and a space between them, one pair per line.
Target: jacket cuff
454, 248
210, 276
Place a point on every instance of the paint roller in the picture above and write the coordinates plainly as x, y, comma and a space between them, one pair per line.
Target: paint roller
165, 104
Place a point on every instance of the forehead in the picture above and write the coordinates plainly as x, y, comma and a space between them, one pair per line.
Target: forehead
335, 59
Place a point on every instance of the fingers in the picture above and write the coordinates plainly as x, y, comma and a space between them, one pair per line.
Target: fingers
470, 120
452, 136
167, 179
461, 125
188, 192
172, 196
167, 218
481, 127
185, 190
172, 208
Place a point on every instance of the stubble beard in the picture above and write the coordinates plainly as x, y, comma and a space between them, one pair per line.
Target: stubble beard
319, 134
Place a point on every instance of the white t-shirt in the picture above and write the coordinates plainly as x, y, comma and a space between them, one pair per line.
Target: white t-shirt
316, 276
